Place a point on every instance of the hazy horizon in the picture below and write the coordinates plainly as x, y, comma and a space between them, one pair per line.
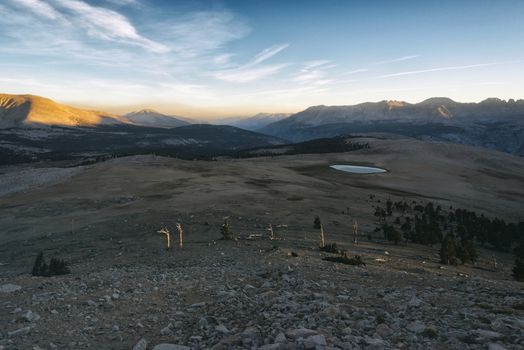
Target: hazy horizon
226, 58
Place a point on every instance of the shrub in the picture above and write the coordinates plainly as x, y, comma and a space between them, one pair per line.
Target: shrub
344, 259
330, 248
226, 231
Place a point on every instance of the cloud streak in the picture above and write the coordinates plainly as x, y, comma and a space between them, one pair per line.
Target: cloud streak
399, 59
253, 70
439, 69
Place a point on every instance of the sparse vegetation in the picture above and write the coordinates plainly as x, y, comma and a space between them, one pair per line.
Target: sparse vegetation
430, 332
344, 259
330, 248
226, 231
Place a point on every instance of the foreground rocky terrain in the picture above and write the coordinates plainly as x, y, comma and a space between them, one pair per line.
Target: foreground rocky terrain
125, 290
256, 294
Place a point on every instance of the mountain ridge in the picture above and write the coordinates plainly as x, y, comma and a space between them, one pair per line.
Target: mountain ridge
32, 110
492, 123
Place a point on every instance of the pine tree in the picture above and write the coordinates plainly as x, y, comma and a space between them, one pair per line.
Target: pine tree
39, 267
448, 251
58, 267
317, 223
389, 209
518, 269
466, 252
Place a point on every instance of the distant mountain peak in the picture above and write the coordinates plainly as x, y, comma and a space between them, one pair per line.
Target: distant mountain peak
152, 118
437, 101
395, 103
146, 110
493, 101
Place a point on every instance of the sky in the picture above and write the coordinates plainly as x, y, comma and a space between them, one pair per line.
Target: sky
219, 58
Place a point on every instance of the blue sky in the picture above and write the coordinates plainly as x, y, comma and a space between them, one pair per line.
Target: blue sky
223, 58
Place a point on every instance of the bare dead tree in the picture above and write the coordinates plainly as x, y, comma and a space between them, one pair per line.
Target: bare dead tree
180, 235
270, 232
355, 232
322, 241
167, 233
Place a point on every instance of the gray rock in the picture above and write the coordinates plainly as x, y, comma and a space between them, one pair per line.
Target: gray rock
166, 330
271, 347
202, 323
222, 329
300, 333
165, 346
280, 338
374, 342
19, 332
415, 302
484, 334
141, 345
315, 341
30, 316
383, 330
416, 327
495, 346
9, 288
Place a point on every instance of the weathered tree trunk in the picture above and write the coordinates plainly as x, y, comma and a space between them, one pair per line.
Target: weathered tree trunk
180, 236
322, 241
270, 232
166, 232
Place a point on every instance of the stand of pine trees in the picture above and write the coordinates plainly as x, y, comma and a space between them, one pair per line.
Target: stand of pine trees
56, 267
518, 269
455, 229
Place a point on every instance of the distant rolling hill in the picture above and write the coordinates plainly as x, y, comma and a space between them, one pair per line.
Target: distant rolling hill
200, 141
492, 123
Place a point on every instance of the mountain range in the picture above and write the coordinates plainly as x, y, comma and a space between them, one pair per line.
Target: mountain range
492, 123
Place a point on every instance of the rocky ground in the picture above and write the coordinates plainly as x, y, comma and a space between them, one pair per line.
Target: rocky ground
257, 295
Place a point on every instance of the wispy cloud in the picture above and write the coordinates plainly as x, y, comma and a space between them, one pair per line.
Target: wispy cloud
439, 69
108, 24
124, 2
399, 59
200, 33
39, 7
356, 71
315, 73
253, 70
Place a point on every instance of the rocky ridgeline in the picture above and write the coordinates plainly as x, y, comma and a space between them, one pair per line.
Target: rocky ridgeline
231, 296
